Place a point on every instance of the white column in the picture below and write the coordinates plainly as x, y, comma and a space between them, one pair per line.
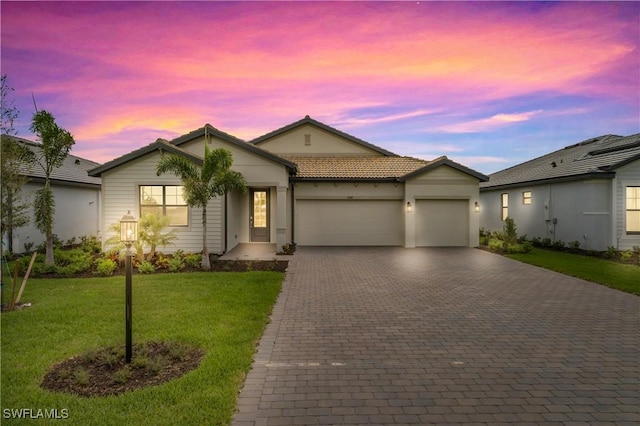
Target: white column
281, 217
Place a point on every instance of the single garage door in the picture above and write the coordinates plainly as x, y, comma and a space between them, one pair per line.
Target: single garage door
442, 223
349, 223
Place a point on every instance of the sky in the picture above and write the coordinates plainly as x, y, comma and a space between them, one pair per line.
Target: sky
488, 84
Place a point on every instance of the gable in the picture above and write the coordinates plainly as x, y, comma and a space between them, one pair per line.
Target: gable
257, 169
443, 174
309, 140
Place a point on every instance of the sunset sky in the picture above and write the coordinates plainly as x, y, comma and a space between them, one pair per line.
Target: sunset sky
487, 84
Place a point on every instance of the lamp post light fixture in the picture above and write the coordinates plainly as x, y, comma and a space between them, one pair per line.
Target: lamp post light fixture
128, 235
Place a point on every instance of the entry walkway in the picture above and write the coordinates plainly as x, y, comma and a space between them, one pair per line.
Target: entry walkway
442, 336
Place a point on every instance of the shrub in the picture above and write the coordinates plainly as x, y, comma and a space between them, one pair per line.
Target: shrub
105, 267
193, 260
574, 245
146, 268
510, 231
90, 244
161, 261
176, 264
72, 262
626, 255
611, 252
558, 245
495, 244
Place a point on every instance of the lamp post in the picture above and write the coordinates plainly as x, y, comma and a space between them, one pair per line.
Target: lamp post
128, 235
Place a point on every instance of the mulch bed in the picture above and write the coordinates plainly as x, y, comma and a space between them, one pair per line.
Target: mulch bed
104, 372
249, 265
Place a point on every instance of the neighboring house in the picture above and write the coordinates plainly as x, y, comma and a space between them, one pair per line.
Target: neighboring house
308, 183
588, 192
77, 200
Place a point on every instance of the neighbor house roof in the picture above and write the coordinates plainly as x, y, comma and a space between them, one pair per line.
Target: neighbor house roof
309, 120
370, 168
593, 158
73, 170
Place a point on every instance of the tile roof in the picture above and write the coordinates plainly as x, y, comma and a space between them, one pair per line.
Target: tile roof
73, 170
596, 157
355, 167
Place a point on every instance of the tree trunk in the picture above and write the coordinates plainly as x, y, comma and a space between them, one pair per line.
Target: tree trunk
205, 264
49, 250
9, 208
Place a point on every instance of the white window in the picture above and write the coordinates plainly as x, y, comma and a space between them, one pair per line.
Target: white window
165, 200
526, 197
505, 206
633, 209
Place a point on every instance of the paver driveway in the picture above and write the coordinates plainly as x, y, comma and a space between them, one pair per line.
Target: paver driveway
436, 336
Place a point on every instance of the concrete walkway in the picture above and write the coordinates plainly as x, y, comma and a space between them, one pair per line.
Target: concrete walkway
442, 336
254, 251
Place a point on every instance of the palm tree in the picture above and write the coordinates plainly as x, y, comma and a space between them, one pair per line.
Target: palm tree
56, 144
215, 178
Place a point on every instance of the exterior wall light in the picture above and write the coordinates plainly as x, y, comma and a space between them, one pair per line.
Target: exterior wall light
409, 207
128, 235
477, 207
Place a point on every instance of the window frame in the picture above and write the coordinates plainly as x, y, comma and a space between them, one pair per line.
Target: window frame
504, 206
164, 205
627, 210
527, 198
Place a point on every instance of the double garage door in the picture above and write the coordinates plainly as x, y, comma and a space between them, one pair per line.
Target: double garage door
380, 222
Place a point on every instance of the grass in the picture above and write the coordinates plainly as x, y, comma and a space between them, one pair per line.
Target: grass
222, 313
612, 274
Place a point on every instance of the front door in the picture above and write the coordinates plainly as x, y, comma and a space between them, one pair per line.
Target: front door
259, 216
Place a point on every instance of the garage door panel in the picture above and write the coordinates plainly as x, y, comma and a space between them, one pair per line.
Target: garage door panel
349, 222
442, 223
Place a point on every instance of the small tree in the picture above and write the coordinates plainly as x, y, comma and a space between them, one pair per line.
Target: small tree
12, 156
214, 179
56, 144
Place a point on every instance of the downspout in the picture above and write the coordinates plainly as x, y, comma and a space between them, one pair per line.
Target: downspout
293, 213
224, 244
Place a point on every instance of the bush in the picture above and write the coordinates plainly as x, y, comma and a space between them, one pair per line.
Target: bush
72, 262
626, 255
105, 267
510, 231
558, 245
176, 264
574, 245
495, 244
90, 244
146, 267
193, 260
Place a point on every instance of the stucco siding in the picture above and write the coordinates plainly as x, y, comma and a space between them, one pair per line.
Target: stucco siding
77, 214
628, 175
120, 187
319, 142
570, 211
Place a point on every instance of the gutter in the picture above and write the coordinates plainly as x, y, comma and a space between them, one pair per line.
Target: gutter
597, 175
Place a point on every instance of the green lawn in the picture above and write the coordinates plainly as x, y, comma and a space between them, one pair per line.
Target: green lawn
612, 274
222, 313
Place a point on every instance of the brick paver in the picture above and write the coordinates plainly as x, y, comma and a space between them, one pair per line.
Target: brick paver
442, 336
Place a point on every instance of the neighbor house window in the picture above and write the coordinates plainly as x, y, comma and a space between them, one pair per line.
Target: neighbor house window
633, 209
526, 197
166, 200
505, 206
